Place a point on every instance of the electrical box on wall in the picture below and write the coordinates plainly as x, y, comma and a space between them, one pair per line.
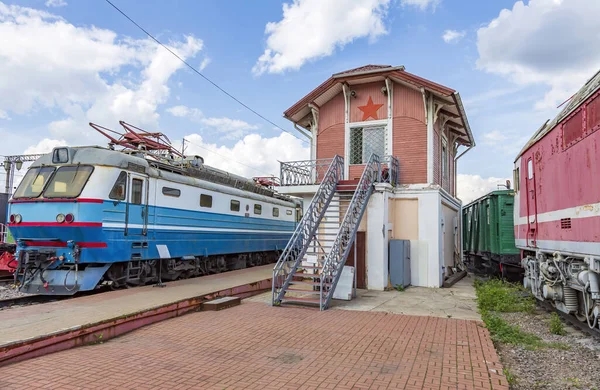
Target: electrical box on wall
399, 263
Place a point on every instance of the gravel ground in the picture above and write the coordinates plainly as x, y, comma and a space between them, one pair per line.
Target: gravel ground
8, 293
551, 368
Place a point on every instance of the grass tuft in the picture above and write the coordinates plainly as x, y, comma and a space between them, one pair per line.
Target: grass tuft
556, 325
496, 296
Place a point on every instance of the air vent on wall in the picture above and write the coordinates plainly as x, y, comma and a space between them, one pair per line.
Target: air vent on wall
565, 223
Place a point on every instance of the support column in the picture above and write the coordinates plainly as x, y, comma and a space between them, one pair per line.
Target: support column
377, 237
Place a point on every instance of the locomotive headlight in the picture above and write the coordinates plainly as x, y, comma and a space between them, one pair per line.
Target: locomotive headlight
12, 218
60, 218
69, 218
18, 218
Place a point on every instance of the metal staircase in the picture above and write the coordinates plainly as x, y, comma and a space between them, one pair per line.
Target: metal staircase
305, 235
310, 267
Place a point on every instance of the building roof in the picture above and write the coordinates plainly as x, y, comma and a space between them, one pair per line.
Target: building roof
300, 112
588, 89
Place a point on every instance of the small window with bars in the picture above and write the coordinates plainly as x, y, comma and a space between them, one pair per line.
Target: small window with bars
565, 223
365, 141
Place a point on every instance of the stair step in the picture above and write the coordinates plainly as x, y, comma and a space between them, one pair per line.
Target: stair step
302, 275
301, 300
309, 283
299, 290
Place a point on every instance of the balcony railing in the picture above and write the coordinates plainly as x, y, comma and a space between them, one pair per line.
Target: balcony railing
307, 172
311, 172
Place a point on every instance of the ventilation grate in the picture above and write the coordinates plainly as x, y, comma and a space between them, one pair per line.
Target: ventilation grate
565, 223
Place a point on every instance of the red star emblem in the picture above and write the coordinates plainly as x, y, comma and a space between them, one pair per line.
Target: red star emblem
370, 110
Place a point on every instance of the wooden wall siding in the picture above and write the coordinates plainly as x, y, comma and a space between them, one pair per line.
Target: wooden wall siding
363, 91
332, 112
408, 103
410, 146
355, 171
437, 154
330, 141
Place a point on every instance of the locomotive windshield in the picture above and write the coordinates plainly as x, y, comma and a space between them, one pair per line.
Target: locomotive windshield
64, 182
68, 182
34, 182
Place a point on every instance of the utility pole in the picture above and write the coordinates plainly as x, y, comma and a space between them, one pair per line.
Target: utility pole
12, 162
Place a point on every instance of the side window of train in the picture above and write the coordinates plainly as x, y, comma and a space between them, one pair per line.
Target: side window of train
235, 205
516, 179
118, 190
257, 209
205, 200
174, 192
530, 169
136, 191
288, 212
275, 212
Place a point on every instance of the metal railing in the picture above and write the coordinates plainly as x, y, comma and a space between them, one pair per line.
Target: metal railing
390, 170
332, 267
294, 252
307, 172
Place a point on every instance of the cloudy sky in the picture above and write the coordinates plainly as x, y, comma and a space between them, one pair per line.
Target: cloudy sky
64, 63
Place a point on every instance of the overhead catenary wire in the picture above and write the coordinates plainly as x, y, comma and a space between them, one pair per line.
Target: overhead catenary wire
202, 75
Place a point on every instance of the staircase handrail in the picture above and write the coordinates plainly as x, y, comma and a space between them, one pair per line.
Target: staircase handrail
298, 244
345, 238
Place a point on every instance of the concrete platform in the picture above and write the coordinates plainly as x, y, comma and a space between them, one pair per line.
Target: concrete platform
457, 301
36, 330
256, 346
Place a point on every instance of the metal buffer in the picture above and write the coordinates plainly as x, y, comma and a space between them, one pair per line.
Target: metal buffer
310, 266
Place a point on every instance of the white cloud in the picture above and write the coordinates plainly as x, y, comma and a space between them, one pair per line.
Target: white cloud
56, 3
548, 42
421, 4
312, 29
44, 146
56, 65
232, 128
204, 63
251, 156
453, 36
494, 137
471, 187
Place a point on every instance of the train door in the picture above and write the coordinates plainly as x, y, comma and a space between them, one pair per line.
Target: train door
531, 204
136, 214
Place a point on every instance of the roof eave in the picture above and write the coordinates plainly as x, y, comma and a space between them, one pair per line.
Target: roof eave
463, 114
365, 72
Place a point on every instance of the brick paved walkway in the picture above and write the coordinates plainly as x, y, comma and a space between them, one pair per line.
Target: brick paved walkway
255, 346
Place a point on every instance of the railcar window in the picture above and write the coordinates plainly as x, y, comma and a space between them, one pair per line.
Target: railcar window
174, 192
205, 200
137, 186
530, 169
34, 182
120, 187
235, 205
275, 212
516, 179
257, 209
68, 182
288, 212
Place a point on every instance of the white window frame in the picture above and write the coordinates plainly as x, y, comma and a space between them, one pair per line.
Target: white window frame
378, 123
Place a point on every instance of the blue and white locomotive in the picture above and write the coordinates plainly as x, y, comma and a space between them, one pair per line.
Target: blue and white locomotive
87, 216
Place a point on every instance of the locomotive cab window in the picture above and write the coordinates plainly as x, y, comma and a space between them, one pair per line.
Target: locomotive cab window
205, 200
34, 182
234, 205
120, 187
174, 192
257, 209
275, 212
136, 191
516, 179
68, 182
530, 169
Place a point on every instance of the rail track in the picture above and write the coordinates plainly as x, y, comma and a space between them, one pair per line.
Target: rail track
570, 319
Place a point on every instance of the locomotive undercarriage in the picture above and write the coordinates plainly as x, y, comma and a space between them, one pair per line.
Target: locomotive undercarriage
140, 272
570, 284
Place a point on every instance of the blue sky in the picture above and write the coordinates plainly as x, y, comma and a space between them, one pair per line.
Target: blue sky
67, 62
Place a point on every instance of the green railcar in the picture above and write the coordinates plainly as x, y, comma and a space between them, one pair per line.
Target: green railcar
489, 237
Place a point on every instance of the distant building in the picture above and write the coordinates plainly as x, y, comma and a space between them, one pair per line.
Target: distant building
390, 112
